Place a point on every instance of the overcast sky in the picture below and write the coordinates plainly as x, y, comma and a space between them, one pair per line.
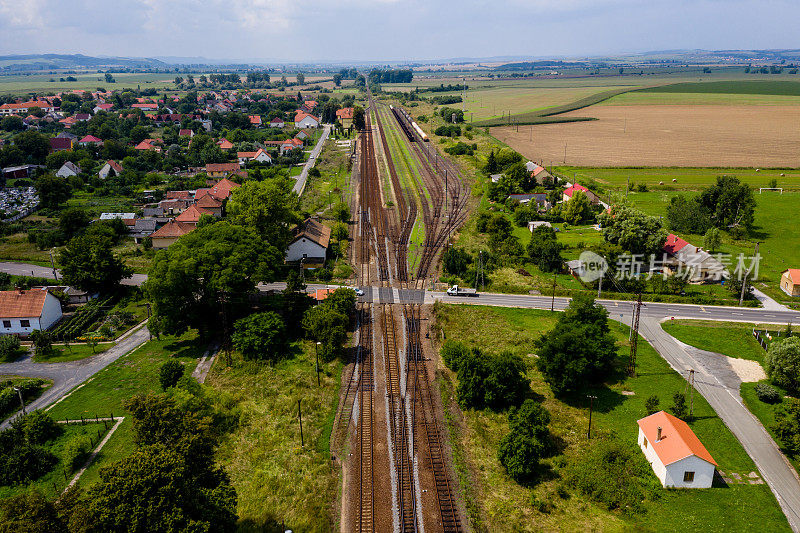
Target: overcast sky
313, 30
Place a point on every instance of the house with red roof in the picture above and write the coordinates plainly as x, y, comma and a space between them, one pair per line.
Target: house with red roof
305, 120
68, 122
170, 232
685, 259
572, 189
90, 140
60, 144
677, 456
111, 168
148, 106
345, 116
102, 107
22, 312
255, 120
276, 123
192, 214
22, 108
224, 144
186, 133
147, 144
220, 170
260, 156
290, 144
309, 106
210, 204
790, 281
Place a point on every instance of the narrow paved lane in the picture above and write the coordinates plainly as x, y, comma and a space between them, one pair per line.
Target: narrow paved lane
67, 376
27, 269
300, 184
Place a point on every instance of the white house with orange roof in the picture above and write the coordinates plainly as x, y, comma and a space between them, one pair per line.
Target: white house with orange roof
304, 120
677, 456
790, 281
22, 312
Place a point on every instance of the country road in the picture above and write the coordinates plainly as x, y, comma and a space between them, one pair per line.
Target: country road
67, 376
26, 269
300, 183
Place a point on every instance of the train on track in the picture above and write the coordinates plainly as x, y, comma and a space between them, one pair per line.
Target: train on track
405, 121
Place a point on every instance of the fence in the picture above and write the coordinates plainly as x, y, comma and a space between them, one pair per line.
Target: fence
761, 335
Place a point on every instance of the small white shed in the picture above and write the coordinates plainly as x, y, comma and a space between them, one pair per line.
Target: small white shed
310, 243
677, 456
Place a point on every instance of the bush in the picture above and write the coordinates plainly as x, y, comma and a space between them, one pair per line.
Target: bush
614, 474
527, 442
170, 373
787, 425
453, 352
679, 405
260, 336
24, 464
782, 363
651, 405
9, 347
494, 382
37, 427
76, 451
767, 393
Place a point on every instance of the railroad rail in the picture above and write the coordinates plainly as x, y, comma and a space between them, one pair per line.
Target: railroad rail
366, 513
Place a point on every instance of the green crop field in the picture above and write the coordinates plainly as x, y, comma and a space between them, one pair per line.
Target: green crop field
26, 83
700, 98
686, 178
781, 87
498, 500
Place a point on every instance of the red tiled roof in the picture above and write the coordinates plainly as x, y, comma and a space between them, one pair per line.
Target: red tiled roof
255, 119
192, 214
116, 166
207, 201
22, 304
677, 442
794, 275
300, 116
91, 139
26, 105
673, 244
570, 191
225, 144
173, 228
276, 120
184, 133
345, 112
222, 167
177, 195
60, 143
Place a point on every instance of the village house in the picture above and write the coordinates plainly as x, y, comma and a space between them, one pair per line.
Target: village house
309, 244
304, 120
191, 215
255, 121
23, 311
790, 281
572, 189
276, 123
111, 168
220, 190
692, 261
148, 144
224, 144
345, 116
290, 144
259, 156
68, 169
303, 135
22, 108
185, 133
208, 203
538, 172
221, 170
677, 456
170, 232
102, 107
309, 106
90, 140
60, 144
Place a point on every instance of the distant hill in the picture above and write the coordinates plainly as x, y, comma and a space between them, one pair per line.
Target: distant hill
34, 62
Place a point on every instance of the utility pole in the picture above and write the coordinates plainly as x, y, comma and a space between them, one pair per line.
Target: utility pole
627, 187
635, 341
317, 367
21, 401
592, 398
53, 264
300, 416
691, 393
553, 301
148, 320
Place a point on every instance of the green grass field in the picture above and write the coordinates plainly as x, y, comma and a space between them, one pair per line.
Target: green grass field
25, 83
731, 339
686, 178
779, 87
500, 501
73, 352
765, 413
700, 98
278, 481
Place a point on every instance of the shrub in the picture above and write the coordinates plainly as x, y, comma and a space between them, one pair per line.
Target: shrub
37, 427
9, 347
453, 352
651, 405
23, 464
782, 363
527, 442
494, 382
767, 393
170, 373
679, 405
260, 336
76, 451
787, 425
613, 474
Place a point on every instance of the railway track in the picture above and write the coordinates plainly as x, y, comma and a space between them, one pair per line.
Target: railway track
366, 513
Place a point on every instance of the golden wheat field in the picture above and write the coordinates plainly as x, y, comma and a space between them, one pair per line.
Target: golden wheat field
666, 135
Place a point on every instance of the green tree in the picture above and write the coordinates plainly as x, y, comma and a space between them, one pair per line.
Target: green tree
453, 353
651, 404
679, 405
782, 363
545, 250
261, 336
712, 240
30, 512
487, 381
579, 351
52, 191
456, 261
301, 78
169, 374
787, 425
12, 123
633, 230
359, 120
578, 209
42, 342
269, 206
87, 262
491, 164
34, 145
337, 79
526, 443
325, 324
73, 220
730, 202
219, 264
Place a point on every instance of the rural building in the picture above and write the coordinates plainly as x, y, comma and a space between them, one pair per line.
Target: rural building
60, 144
224, 144
345, 116
90, 139
260, 156
186, 133
21, 311
255, 121
537, 223
290, 144
191, 215
685, 258
790, 281
304, 120
572, 189
310, 243
210, 204
68, 169
20, 172
111, 168
303, 135
220, 190
169, 233
538, 172
220, 170
21, 108
538, 198
677, 456
276, 123
147, 144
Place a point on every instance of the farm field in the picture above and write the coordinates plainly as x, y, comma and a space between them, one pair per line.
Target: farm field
645, 97
686, 178
665, 135
498, 500
23, 83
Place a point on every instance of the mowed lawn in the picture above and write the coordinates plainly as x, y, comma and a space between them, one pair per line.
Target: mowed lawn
727, 338
685, 177
498, 501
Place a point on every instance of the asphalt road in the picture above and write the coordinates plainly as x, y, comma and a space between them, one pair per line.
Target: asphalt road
69, 375
300, 184
25, 269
